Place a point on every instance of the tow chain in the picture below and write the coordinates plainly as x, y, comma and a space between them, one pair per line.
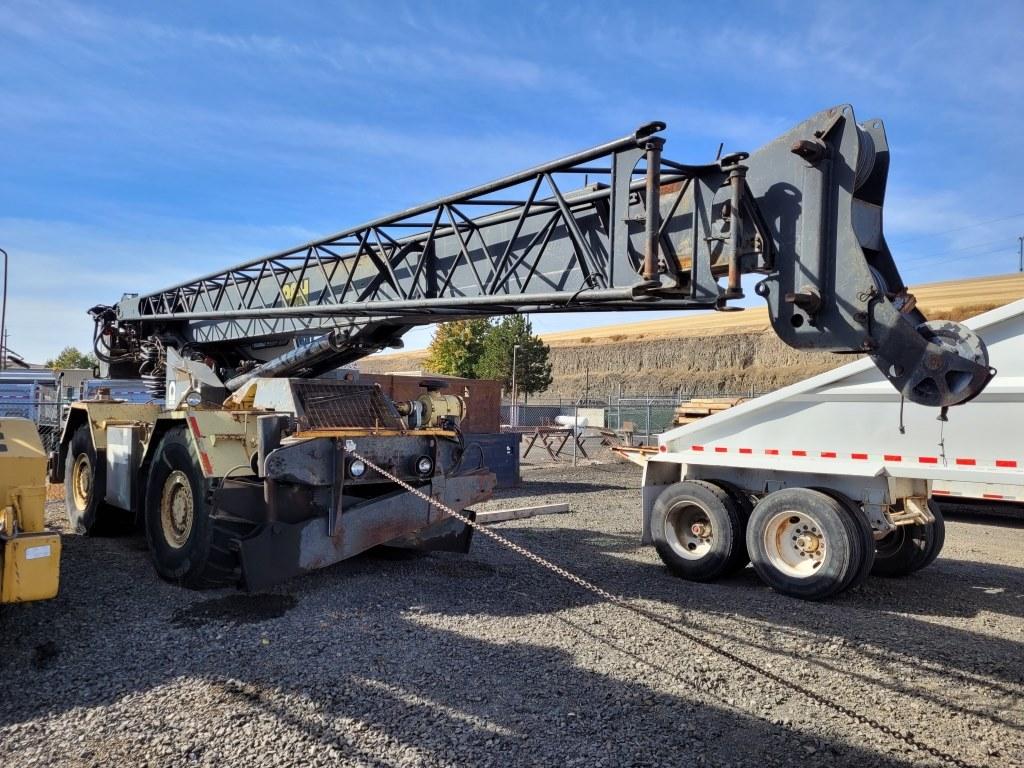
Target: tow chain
623, 603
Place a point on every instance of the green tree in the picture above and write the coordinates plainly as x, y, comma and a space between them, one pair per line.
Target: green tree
456, 347
533, 370
70, 357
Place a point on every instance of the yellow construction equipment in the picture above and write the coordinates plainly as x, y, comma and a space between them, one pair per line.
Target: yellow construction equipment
29, 555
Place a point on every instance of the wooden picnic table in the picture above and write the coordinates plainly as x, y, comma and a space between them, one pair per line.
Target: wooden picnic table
554, 439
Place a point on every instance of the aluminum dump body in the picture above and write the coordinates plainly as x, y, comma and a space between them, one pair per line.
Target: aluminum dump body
849, 423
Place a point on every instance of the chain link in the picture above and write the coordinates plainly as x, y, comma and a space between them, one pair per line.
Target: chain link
621, 602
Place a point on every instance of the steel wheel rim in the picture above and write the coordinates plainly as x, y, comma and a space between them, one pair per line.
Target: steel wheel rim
81, 481
795, 544
890, 544
177, 509
688, 530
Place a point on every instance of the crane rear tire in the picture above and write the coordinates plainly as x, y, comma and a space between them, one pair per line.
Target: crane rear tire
698, 531
85, 483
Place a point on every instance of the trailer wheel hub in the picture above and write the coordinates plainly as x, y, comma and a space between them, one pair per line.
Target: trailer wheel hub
81, 480
177, 509
688, 531
808, 544
795, 544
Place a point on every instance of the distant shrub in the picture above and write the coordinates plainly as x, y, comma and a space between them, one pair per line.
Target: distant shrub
585, 339
617, 336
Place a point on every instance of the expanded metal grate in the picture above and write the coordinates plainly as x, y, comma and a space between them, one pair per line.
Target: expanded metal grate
340, 405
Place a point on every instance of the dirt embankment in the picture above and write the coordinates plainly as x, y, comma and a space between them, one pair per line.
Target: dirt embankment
722, 363
703, 365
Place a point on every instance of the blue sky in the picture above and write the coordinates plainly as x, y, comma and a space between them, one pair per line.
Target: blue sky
144, 144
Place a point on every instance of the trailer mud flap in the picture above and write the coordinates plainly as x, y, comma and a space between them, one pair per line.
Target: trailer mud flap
283, 550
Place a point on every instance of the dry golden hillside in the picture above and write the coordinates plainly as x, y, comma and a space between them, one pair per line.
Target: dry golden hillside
952, 300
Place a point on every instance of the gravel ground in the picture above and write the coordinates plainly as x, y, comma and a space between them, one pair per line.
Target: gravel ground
486, 659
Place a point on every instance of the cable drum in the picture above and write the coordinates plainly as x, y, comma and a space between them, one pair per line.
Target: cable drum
865, 158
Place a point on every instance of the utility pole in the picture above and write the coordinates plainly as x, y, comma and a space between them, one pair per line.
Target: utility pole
3, 319
1019, 239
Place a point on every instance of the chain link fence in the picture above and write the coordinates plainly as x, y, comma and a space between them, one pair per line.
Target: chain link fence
646, 416
45, 413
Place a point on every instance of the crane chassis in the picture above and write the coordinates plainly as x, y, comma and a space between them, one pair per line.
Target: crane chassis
241, 469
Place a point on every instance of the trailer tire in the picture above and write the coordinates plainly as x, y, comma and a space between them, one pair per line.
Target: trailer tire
937, 535
187, 545
85, 477
866, 535
804, 543
745, 506
910, 547
703, 555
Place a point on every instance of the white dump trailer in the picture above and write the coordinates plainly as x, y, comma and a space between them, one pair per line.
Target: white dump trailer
823, 482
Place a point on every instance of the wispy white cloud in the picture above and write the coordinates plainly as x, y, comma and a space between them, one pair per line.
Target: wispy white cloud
141, 148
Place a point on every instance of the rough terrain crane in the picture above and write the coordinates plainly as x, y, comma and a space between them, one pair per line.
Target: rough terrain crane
243, 469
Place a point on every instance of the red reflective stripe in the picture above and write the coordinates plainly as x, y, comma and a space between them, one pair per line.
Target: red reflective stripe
207, 466
892, 457
203, 458
966, 462
991, 495
940, 493
828, 454
696, 447
1006, 463
746, 450
928, 459
799, 453
860, 456
771, 451
720, 449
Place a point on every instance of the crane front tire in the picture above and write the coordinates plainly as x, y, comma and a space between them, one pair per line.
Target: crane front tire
186, 543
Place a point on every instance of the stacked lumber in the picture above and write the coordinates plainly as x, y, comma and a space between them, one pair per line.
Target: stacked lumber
702, 407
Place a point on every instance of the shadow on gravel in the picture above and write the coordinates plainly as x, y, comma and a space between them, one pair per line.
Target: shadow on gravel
543, 488
359, 647
351, 661
240, 608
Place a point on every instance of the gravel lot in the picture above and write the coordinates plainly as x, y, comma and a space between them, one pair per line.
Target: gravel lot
486, 659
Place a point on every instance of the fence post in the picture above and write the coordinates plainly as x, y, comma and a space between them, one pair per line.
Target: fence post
575, 428
618, 407
647, 436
